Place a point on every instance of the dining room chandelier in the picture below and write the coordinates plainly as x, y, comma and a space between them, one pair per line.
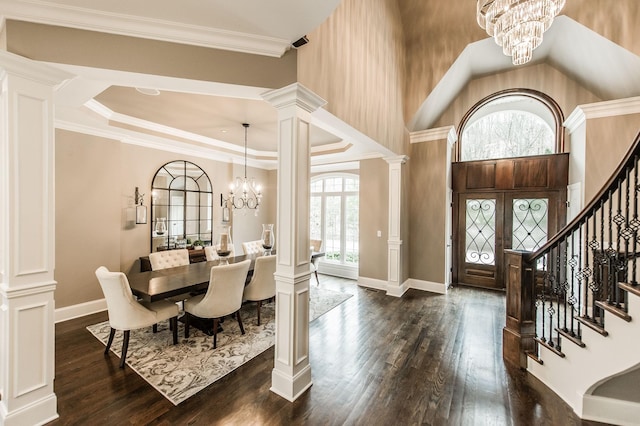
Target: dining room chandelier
517, 25
245, 192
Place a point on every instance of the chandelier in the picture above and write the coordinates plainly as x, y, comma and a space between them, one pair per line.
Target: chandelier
244, 192
517, 25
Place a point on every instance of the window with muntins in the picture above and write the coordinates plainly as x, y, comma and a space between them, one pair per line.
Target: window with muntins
334, 211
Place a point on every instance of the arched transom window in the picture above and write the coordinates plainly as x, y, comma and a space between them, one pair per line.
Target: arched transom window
511, 124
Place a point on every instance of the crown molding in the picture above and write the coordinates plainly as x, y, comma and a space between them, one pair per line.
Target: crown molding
11, 63
294, 94
613, 108
133, 26
436, 134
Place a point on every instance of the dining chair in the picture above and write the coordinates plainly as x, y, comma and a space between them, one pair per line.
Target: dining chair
126, 313
223, 297
168, 259
263, 284
211, 253
252, 247
316, 245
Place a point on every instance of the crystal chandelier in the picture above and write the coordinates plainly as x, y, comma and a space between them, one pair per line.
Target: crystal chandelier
249, 192
517, 25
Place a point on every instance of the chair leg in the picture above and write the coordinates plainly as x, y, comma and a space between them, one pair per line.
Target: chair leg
111, 334
125, 346
215, 332
259, 304
173, 323
240, 321
187, 318
317, 280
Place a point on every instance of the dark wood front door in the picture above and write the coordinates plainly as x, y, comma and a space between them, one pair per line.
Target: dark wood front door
490, 223
504, 204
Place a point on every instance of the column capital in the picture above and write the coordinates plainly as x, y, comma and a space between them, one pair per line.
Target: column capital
398, 159
13, 64
294, 94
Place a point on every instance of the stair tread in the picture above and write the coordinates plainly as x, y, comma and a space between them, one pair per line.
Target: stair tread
617, 311
552, 346
587, 321
630, 288
534, 357
575, 339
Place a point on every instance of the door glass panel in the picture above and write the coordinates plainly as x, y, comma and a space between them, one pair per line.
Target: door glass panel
480, 245
530, 217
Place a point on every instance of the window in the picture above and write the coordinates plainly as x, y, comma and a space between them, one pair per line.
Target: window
513, 123
334, 212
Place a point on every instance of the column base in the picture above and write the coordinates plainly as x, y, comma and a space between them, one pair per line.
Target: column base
37, 413
291, 387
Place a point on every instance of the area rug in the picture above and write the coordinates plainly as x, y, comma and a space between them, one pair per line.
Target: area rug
180, 371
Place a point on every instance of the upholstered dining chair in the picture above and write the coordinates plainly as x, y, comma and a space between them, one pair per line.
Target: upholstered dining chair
252, 247
263, 284
126, 313
211, 253
316, 245
168, 259
223, 297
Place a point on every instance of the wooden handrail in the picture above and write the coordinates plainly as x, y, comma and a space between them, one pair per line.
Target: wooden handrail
587, 212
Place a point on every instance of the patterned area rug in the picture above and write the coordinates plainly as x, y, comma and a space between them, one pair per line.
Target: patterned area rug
181, 371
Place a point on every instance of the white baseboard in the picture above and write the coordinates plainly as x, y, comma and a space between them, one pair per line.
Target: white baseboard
372, 283
609, 410
398, 291
80, 310
430, 286
337, 270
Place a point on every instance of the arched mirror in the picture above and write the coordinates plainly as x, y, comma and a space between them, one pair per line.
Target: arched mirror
181, 207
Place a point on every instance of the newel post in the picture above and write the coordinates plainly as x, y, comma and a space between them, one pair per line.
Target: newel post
519, 333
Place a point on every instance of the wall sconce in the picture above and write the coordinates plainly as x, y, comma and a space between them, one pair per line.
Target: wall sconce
141, 210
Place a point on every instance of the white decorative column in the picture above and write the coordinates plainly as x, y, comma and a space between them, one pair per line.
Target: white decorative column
394, 260
291, 374
27, 244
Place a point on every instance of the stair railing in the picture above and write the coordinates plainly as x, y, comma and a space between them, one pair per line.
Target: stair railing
583, 271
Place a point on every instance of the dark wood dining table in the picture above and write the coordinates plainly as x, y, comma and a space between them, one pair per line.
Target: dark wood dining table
152, 286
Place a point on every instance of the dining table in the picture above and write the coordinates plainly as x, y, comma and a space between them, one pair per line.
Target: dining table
152, 286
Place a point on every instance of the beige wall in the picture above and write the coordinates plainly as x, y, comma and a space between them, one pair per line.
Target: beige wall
607, 141
428, 210
542, 77
95, 184
374, 217
355, 61
80, 47
88, 214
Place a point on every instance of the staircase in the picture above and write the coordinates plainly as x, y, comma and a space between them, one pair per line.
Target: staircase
573, 306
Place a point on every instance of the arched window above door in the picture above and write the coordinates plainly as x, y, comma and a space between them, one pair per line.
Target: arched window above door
511, 123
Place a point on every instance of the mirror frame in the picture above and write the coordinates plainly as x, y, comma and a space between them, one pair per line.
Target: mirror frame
178, 190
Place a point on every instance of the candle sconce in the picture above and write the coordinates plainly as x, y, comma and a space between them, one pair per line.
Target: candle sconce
141, 209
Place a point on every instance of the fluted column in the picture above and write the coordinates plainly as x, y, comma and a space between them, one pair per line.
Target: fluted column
394, 260
27, 241
291, 375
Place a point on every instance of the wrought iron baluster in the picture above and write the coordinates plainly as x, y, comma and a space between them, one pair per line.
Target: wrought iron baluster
573, 261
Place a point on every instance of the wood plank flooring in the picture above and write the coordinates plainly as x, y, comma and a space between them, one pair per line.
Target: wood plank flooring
376, 360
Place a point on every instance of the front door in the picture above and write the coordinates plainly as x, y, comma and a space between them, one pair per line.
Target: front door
488, 223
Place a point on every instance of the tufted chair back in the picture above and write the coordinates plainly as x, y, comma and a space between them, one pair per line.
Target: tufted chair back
252, 247
168, 259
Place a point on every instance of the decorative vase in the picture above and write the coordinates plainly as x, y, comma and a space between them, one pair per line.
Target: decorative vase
161, 226
268, 238
224, 245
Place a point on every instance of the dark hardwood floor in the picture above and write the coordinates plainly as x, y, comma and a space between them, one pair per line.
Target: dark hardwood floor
376, 360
